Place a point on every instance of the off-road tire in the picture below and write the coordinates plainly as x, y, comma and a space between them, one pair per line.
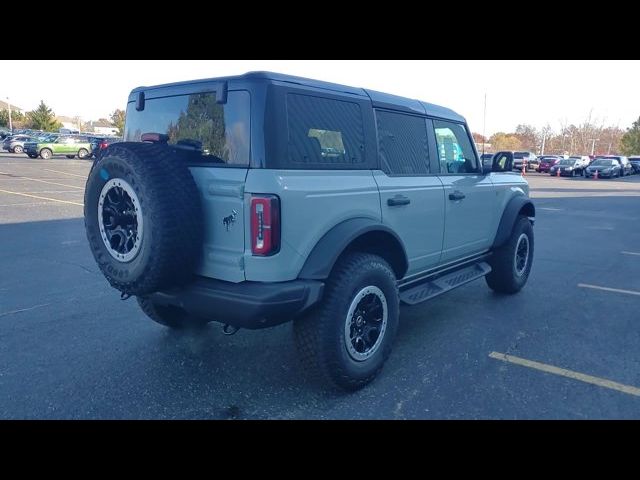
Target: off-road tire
169, 203
320, 335
503, 277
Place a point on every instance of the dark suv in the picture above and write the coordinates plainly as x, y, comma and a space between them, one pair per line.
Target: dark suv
264, 198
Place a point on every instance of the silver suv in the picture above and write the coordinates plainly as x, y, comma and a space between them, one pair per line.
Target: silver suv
264, 198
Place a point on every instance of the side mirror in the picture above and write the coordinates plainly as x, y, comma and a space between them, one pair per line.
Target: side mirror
502, 162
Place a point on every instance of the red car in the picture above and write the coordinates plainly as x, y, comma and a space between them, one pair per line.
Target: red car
547, 161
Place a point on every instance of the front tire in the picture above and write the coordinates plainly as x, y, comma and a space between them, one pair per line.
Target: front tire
83, 153
511, 263
346, 340
45, 153
18, 149
170, 317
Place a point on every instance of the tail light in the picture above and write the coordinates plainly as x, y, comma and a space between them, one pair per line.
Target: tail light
103, 145
265, 225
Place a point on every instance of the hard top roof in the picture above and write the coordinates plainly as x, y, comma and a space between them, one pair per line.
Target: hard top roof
379, 99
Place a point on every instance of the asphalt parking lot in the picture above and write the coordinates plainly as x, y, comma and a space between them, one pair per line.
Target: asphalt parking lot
565, 347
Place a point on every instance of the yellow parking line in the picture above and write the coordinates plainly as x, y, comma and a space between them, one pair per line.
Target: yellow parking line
563, 372
41, 181
42, 198
608, 289
631, 253
64, 173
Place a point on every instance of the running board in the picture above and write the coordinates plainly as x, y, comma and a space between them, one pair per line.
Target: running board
442, 284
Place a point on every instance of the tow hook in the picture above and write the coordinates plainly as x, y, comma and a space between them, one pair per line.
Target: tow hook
229, 329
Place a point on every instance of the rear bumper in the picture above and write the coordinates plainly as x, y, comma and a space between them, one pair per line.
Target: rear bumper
250, 305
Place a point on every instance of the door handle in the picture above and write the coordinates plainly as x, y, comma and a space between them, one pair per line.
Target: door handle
457, 195
398, 200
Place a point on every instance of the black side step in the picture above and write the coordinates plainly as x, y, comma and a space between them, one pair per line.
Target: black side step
439, 285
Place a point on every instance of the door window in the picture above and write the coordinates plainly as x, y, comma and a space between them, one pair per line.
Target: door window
455, 153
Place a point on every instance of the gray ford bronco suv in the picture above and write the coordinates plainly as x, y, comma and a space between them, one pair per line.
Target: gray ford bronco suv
264, 198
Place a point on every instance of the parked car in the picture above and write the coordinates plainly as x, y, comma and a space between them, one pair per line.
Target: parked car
605, 167
627, 168
15, 143
332, 242
635, 163
31, 148
4, 134
546, 162
569, 167
528, 158
98, 144
68, 145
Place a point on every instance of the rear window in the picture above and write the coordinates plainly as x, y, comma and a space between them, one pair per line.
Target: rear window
324, 132
219, 133
520, 154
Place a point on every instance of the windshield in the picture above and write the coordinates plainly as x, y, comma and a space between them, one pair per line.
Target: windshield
603, 163
567, 161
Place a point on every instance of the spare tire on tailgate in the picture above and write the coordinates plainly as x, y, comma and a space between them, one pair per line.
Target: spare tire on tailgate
142, 215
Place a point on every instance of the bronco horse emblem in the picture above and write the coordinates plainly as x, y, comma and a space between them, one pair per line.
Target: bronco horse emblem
231, 219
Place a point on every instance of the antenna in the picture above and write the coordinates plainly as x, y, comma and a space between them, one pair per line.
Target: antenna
484, 123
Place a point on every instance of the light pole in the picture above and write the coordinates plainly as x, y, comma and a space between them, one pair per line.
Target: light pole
9, 105
593, 144
544, 138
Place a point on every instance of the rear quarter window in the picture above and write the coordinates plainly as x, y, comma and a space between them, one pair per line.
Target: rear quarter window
324, 133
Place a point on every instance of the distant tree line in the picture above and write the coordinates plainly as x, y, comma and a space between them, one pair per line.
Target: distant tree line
583, 139
43, 118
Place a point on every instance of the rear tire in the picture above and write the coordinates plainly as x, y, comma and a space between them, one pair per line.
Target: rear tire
345, 341
171, 317
510, 263
83, 153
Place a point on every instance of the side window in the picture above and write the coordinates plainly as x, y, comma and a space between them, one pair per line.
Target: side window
324, 131
455, 152
402, 142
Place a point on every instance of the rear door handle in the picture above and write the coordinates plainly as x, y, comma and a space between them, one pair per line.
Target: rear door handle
398, 200
457, 195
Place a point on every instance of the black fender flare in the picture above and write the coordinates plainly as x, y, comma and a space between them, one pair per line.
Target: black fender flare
325, 253
509, 217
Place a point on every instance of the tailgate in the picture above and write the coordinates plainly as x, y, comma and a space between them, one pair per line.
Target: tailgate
222, 195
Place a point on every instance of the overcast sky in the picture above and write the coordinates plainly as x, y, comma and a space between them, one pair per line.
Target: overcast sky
534, 92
